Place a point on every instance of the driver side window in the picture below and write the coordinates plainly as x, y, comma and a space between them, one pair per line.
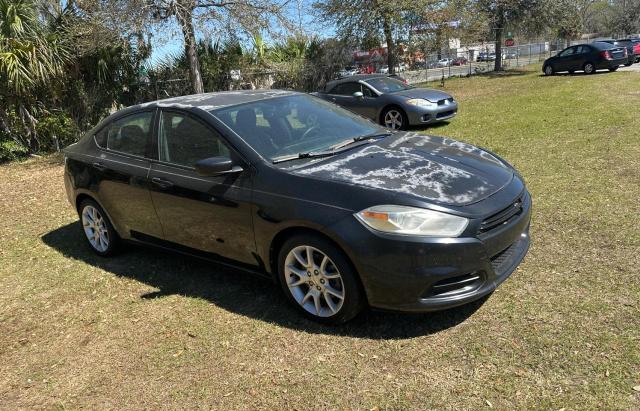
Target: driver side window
184, 141
346, 89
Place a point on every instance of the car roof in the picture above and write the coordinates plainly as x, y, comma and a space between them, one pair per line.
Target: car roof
216, 100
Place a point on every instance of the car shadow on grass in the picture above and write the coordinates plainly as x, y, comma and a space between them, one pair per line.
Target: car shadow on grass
240, 292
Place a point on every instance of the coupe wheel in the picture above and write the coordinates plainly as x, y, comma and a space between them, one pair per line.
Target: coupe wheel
395, 119
97, 228
318, 279
589, 68
548, 70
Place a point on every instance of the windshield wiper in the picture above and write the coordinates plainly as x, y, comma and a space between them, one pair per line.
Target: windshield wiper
298, 156
358, 139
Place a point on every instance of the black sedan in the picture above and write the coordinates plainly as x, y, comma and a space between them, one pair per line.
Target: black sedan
390, 102
339, 211
586, 57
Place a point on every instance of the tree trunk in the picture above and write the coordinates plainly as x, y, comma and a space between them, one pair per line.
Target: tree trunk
388, 37
184, 14
499, 35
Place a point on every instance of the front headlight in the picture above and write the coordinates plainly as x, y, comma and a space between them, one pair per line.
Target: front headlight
420, 102
397, 219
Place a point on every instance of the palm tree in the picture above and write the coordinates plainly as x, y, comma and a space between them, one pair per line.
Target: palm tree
32, 54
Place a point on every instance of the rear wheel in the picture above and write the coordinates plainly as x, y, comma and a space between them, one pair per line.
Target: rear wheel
548, 70
319, 280
395, 118
589, 68
100, 234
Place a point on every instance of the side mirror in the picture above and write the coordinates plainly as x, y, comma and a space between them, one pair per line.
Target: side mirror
214, 166
358, 94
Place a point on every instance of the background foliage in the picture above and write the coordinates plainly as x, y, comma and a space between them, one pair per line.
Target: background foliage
64, 65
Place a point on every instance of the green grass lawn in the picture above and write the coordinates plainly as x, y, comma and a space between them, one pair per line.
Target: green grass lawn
149, 329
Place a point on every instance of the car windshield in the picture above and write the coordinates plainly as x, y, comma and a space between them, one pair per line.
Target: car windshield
294, 124
387, 85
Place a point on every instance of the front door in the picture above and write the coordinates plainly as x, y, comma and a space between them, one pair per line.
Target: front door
342, 95
210, 214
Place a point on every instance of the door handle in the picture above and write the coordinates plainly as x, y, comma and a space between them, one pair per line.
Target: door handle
99, 166
161, 182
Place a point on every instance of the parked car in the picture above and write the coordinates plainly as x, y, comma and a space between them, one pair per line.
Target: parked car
339, 211
390, 102
444, 63
586, 57
636, 48
484, 56
510, 54
629, 45
348, 71
459, 61
384, 69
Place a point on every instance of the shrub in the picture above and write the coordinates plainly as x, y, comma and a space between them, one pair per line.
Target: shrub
10, 150
56, 131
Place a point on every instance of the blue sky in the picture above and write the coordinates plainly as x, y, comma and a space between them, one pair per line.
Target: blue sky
167, 41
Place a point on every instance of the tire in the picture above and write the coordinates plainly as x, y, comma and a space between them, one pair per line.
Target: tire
548, 70
589, 68
92, 218
395, 118
628, 64
332, 299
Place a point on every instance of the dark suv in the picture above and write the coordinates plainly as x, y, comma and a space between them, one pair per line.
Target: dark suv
629, 45
586, 57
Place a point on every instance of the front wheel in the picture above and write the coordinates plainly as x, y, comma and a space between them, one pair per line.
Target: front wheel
395, 119
100, 234
319, 280
548, 70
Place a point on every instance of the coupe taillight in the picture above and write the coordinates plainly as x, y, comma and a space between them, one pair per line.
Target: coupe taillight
636, 48
606, 55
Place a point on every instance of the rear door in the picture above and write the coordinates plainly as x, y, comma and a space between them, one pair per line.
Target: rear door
121, 172
581, 56
210, 214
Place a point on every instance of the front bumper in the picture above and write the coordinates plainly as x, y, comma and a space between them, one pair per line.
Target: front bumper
422, 115
428, 274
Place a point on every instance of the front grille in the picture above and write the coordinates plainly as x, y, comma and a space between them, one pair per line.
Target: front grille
455, 285
500, 260
445, 114
501, 217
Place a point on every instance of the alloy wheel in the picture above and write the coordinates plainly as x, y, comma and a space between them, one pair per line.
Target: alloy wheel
393, 119
314, 281
548, 70
95, 228
588, 68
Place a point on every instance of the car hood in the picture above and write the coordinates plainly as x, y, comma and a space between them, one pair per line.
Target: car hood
431, 168
425, 93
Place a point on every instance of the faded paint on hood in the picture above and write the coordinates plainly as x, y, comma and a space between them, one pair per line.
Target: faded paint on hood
432, 168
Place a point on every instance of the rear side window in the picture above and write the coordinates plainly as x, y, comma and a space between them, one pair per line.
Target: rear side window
130, 134
583, 49
184, 141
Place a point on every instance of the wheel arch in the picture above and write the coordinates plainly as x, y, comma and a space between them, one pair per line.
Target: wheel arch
279, 239
388, 107
85, 195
